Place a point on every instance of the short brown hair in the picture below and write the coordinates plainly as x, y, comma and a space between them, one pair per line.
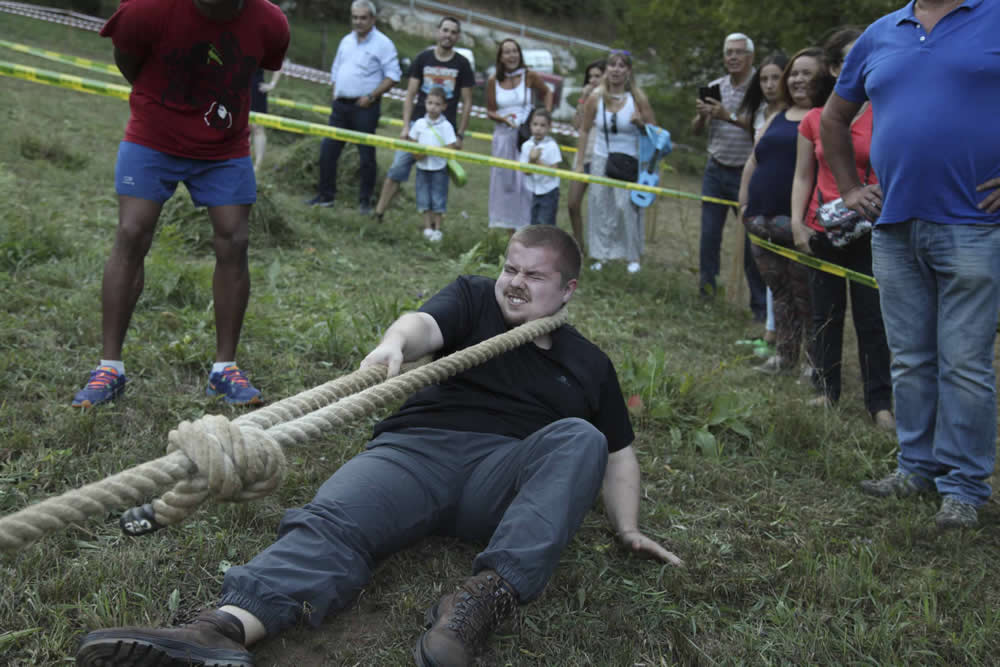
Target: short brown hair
569, 256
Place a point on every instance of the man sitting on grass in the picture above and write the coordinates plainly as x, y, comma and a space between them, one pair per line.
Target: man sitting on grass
190, 63
510, 454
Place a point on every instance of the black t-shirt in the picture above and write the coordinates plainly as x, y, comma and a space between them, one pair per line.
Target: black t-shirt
452, 75
520, 391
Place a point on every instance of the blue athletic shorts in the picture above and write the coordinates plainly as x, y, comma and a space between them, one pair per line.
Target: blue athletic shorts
149, 174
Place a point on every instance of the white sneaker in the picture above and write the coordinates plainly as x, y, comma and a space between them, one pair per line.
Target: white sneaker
436, 235
633, 267
428, 233
596, 266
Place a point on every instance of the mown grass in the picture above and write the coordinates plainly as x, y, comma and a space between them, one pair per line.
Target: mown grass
787, 563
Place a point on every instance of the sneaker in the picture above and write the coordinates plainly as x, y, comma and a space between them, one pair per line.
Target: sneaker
320, 200
899, 484
955, 513
436, 235
633, 267
428, 233
461, 622
885, 421
213, 639
596, 266
773, 366
233, 386
105, 384
365, 208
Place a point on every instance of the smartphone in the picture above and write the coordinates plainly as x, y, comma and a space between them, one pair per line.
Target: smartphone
710, 92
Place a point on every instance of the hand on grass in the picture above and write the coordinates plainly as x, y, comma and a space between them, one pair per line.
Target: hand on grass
641, 545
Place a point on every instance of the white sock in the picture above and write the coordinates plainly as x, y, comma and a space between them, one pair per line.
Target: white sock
220, 366
118, 365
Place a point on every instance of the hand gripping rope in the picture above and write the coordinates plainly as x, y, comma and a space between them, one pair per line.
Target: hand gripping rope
242, 459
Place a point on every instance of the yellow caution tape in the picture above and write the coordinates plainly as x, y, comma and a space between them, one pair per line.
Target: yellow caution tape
815, 262
304, 127
85, 63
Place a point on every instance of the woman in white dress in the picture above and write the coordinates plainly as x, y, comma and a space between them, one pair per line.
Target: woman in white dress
508, 104
617, 111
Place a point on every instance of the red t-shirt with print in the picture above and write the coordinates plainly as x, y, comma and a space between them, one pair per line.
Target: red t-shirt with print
826, 184
192, 95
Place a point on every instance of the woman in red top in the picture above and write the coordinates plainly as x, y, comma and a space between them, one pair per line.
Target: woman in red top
813, 185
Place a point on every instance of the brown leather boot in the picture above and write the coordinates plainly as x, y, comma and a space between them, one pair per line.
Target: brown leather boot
461, 622
213, 639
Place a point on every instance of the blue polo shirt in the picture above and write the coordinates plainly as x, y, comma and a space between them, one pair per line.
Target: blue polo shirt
936, 105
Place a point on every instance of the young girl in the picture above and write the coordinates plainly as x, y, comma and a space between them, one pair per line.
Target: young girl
432, 172
542, 150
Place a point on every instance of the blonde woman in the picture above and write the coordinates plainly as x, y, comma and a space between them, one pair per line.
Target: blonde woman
617, 111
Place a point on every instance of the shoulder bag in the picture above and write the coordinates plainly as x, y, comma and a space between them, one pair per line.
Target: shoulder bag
620, 166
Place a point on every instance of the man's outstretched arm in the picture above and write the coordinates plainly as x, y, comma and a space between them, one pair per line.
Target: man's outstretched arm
621, 501
412, 336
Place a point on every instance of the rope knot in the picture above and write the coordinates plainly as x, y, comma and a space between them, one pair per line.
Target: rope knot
234, 462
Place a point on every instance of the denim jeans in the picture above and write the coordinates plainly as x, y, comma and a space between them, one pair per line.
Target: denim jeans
432, 190
523, 499
349, 116
724, 183
402, 162
940, 289
544, 207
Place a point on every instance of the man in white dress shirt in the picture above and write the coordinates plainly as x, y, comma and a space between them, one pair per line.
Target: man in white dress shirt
365, 68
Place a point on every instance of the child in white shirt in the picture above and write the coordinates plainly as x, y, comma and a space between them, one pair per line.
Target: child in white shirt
542, 150
432, 171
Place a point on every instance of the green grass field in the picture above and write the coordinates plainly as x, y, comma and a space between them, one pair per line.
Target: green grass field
787, 563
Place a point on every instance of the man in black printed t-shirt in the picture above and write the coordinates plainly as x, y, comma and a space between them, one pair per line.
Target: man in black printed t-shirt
510, 454
437, 67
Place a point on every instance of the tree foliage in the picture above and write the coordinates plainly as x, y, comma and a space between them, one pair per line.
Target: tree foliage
686, 37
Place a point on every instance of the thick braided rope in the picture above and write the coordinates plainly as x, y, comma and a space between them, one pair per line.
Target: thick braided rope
239, 460
178, 503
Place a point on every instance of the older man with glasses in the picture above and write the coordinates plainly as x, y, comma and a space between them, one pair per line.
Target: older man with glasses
729, 146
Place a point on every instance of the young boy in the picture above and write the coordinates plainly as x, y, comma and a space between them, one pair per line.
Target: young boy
542, 150
432, 173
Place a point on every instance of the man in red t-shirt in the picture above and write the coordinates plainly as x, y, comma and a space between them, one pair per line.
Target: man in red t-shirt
190, 63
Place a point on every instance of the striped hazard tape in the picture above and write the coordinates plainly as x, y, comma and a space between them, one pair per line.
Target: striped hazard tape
92, 86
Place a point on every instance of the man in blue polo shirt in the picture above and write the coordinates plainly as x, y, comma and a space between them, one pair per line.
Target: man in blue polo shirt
931, 71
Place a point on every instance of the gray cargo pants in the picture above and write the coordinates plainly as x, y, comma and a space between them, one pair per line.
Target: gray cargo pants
524, 498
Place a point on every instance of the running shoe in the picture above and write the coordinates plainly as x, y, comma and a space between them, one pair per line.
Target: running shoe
233, 386
105, 384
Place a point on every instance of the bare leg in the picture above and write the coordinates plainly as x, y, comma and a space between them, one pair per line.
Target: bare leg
123, 272
259, 138
389, 190
231, 281
576, 192
436, 219
428, 220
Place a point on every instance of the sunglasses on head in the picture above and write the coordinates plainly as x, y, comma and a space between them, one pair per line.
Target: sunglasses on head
614, 123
